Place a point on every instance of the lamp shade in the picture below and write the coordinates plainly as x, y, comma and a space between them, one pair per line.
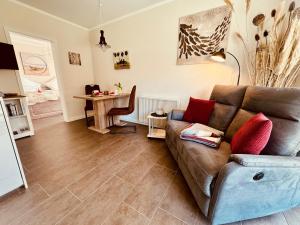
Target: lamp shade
219, 56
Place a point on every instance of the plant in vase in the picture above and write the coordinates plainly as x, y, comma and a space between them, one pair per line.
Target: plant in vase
275, 62
119, 87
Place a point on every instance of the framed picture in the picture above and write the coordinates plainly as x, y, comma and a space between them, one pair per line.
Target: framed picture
74, 58
34, 64
202, 34
121, 60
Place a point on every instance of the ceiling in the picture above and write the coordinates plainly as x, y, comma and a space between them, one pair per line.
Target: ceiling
86, 13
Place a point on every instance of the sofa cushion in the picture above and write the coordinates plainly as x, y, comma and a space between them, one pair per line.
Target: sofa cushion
228, 100
282, 107
203, 162
253, 136
199, 111
240, 118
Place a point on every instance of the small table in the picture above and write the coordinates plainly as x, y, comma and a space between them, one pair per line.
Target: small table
156, 132
102, 105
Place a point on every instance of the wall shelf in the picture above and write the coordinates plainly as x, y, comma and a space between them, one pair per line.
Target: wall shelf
19, 116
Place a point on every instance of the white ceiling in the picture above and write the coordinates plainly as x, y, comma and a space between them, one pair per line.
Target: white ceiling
86, 12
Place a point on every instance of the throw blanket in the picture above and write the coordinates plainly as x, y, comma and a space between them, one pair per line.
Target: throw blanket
202, 134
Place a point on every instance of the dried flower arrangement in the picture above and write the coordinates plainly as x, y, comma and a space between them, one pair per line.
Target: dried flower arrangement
276, 59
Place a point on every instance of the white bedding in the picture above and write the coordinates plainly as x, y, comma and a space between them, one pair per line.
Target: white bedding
43, 96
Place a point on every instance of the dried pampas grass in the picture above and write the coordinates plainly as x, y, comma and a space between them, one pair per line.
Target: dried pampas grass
275, 62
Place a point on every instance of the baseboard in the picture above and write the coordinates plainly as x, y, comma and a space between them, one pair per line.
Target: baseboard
74, 118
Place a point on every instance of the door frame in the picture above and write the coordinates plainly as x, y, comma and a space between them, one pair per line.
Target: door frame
54, 48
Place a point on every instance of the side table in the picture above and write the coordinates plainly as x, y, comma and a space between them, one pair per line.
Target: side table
156, 132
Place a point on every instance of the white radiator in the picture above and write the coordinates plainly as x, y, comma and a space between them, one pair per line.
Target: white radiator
148, 105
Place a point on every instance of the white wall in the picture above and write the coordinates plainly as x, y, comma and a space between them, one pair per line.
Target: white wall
151, 39
65, 37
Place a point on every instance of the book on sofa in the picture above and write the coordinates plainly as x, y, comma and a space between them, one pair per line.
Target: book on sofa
202, 134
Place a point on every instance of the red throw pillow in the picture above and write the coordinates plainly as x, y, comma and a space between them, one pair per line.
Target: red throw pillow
199, 111
253, 136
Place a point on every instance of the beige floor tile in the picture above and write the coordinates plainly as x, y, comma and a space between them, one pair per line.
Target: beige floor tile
202, 220
49, 211
100, 205
168, 162
72, 152
293, 216
111, 150
138, 167
130, 152
147, 194
179, 201
91, 181
19, 202
163, 218
125, 215
157, 147
66, 175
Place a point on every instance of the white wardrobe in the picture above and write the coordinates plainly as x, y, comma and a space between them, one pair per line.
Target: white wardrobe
11, 171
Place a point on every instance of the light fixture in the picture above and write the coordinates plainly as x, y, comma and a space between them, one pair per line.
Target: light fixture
220, 56
102, 42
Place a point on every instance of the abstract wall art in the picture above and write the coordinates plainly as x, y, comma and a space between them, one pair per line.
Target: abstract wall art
202, 34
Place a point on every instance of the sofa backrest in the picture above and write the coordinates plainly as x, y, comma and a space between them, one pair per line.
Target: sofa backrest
228, 101
282, 106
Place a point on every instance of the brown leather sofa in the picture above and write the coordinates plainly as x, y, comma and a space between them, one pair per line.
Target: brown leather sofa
230, 188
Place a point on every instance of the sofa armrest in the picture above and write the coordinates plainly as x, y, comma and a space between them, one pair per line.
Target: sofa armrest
245, 192
176, 114
266, 161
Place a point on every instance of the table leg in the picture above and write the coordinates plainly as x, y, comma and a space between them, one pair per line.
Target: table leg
101, 108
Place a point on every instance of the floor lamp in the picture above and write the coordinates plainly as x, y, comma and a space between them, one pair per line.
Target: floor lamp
220, 56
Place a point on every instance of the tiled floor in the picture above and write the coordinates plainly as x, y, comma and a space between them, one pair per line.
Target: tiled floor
77, 176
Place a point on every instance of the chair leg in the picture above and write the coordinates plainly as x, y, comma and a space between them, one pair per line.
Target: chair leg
86, 118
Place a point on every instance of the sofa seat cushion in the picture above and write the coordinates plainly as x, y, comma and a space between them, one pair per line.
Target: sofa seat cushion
203, 162
173, 129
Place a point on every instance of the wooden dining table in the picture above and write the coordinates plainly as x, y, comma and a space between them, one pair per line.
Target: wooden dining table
102, 104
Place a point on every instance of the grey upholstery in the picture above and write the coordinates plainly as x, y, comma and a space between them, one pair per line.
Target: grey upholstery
266, 161
230, 188
202, 162
280, 105
228, 100
240, 118
176, 114
237, 196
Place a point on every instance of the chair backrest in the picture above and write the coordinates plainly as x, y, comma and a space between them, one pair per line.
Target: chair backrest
88, 91
228, 100
282, 106
132, 99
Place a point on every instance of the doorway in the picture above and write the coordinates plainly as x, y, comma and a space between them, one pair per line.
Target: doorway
38, 79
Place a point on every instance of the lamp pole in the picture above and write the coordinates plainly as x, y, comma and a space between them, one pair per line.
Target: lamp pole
238, 82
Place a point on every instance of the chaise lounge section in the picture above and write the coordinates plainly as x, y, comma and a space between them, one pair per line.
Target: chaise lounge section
230, 188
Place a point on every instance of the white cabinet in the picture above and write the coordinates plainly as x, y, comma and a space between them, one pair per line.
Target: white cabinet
19, 116
11, 171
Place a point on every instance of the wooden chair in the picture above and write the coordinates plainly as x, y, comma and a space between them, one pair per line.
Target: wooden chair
123, 111
89, 104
